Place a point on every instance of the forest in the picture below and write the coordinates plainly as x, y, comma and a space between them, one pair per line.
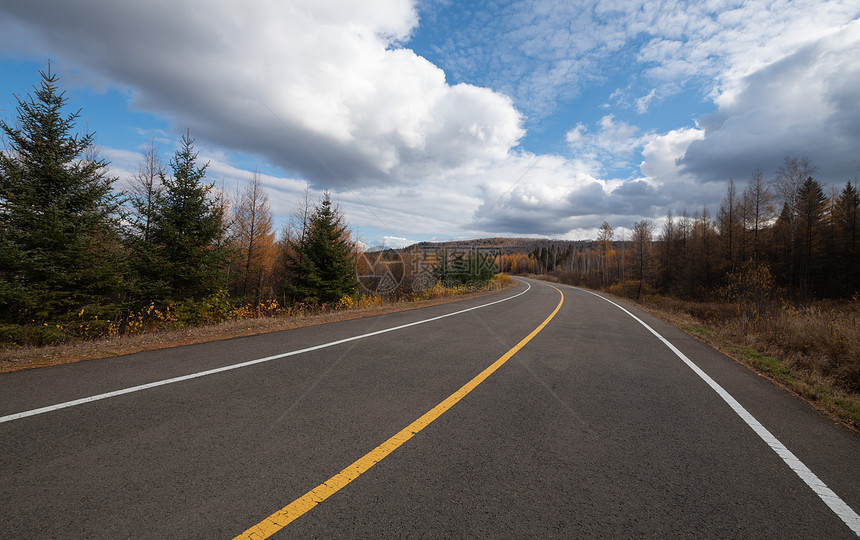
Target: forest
806, 241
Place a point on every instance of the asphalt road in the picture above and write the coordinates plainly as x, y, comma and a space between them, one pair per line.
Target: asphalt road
594, 428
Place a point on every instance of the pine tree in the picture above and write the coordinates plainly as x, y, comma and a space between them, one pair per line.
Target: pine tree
59, 240
789, 178
320, 265
187, 254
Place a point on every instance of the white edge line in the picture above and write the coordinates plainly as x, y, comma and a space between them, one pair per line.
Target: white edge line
106, 395
831, 499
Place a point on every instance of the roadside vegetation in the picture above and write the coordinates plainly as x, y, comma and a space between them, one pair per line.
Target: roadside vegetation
242, 321
82, 260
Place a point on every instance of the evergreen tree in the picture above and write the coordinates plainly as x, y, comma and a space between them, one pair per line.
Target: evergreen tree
474, 270
789, 178
59, 240
847, 220
320, 265
187, 254
782, 249
810, 202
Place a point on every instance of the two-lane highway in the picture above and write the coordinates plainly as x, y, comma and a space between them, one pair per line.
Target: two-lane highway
586, 424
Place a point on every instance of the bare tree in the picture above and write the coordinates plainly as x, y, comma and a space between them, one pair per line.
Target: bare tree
727, 219
604, 245
789, 177
668, 256
301, 214
641, 244
254, 236
146, 187
701, 256
758, 202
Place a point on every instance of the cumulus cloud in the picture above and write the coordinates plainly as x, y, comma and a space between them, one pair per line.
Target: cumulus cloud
558, 197
396, 242
319, 88
804, 104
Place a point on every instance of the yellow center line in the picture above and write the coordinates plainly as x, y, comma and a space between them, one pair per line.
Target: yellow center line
300, 506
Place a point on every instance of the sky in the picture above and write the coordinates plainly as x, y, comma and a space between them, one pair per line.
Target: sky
450, 120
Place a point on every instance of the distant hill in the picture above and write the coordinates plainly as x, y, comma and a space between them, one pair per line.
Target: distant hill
503, 245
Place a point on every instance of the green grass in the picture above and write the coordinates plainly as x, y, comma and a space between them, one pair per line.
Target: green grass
701, 330
815, 391
766, 364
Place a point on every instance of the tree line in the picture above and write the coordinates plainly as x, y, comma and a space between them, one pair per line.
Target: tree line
806, 240
80, 258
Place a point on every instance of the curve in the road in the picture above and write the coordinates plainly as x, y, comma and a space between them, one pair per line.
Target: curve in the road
283, 517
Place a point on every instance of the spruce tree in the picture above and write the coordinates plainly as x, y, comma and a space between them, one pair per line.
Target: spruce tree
59, 240
848, 243
810, 207
186, 256
320, 266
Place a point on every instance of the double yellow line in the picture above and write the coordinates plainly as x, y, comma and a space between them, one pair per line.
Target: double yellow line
303, 504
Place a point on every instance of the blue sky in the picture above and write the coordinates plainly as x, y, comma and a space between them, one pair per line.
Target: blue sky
438, 120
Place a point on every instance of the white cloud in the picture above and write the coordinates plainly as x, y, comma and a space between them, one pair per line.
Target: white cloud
361, 246
804, 104
318, 87
613, 145
722, 43
545, 52
644, 102
680, 189
661, 153
395, 242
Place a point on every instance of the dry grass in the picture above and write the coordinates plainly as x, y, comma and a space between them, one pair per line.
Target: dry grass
20, 358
